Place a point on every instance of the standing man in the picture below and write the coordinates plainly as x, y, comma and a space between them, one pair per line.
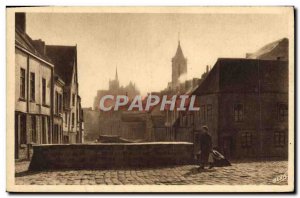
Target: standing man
205, 147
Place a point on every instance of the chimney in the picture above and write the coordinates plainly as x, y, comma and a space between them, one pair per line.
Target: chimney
248, 55
20, 21
40, 46
207, 68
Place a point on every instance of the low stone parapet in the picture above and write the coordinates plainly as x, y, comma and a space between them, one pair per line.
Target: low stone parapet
111, 155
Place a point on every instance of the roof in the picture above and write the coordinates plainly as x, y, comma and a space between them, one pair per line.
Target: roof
272, 51
64, 58
24, 41
245, 75
179, 53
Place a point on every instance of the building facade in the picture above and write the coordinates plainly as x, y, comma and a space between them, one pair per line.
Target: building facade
33, 92
58, 110
65, 65
244, 102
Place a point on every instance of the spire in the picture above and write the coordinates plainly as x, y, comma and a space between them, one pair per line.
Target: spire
179, 53
116, 77
179, 38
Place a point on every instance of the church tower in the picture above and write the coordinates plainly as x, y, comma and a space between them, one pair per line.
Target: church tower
114, 84
179, 68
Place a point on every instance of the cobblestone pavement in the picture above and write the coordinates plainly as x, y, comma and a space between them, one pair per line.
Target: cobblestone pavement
239, 173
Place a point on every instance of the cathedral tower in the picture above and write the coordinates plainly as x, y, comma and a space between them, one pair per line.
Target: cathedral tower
179, 68
114, 84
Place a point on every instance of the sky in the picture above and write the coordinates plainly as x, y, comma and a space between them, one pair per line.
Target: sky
142, 45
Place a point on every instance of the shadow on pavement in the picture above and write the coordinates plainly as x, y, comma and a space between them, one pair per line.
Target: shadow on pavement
196, 170
26, 173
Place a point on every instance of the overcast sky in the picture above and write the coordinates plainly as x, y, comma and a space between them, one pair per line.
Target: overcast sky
142, 45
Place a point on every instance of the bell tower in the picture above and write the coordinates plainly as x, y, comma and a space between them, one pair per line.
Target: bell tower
179, 68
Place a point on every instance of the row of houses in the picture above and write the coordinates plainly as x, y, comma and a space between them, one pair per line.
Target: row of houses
47, 103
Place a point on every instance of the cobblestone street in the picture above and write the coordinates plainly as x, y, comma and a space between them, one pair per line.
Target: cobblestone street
239, 173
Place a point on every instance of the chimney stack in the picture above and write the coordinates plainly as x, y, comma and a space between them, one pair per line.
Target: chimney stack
20, 21
40, 46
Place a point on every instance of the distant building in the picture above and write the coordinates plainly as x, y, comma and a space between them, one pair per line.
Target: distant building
167, 125
115, 89
91, 124
114, 122
179, 68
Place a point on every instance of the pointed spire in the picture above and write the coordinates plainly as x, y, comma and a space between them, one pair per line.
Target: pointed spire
116, 77
179, 53
178, 38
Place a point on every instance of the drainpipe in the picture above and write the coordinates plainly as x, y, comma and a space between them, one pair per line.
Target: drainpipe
27, 110
51, 105
260, 113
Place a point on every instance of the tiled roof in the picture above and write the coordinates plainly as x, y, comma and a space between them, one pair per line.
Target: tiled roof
243, 75
24, 41
272, 51
64, 58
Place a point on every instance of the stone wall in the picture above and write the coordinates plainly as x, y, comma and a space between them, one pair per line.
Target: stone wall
111, 155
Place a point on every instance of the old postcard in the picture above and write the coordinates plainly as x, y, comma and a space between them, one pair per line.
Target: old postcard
150, 99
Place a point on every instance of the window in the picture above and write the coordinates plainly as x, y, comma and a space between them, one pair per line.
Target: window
32, 86
22, 83
33, 129
66, 119
43, 91
282, 112
279, 138
203, 113
73, 99
246, 140
47, 130
60, 103
56, 103
23, 134
55, 134
77, 115
238, 112
44, 130
209, 112
73, 117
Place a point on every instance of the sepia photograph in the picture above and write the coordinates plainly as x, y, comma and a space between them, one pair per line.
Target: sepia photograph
150, 99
